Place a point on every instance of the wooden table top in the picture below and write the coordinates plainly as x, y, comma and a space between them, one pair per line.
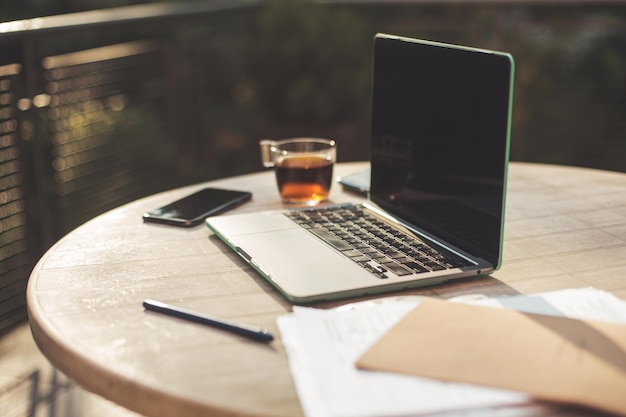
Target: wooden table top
565, 228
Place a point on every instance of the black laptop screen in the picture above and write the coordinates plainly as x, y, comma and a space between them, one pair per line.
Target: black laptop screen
440, 134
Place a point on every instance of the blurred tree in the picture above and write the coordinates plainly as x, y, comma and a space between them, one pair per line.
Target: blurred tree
309, 64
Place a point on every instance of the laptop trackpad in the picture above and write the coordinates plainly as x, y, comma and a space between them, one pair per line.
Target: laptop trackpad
300, 263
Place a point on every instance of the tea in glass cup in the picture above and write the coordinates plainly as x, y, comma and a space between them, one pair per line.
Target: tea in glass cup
303, 166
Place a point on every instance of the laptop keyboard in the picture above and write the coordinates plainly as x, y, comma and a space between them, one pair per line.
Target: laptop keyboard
372, 243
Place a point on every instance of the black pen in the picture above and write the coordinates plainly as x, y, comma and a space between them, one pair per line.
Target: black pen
252, 332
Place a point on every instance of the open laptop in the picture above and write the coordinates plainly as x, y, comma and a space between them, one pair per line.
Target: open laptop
440, 131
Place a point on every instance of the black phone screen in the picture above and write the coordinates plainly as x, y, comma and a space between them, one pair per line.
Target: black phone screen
194, 208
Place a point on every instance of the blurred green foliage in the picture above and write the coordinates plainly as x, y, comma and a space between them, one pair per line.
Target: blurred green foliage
308, 63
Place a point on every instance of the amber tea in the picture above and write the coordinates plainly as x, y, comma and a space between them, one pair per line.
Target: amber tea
304, 167
304, 178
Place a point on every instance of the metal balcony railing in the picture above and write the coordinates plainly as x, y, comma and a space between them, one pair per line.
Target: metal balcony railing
97, 109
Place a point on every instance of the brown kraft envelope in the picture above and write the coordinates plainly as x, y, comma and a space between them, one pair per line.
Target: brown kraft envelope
552, 358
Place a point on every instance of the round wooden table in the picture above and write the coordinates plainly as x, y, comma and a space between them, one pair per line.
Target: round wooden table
565, 228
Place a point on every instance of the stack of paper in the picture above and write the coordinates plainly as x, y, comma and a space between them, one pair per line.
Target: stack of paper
324, 346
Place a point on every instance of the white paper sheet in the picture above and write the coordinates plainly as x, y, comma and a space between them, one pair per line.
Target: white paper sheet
322, 346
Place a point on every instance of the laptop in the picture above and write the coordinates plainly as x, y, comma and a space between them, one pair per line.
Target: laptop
440, 129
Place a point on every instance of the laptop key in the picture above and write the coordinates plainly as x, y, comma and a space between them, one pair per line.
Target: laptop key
331, 239
380, 258
415, 266
397, 269
374, 269
435, 266
365, 249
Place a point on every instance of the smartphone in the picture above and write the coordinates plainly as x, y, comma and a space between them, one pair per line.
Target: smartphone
193, 209
358, 182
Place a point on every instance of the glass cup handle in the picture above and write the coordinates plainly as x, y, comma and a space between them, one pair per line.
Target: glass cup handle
266, 152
